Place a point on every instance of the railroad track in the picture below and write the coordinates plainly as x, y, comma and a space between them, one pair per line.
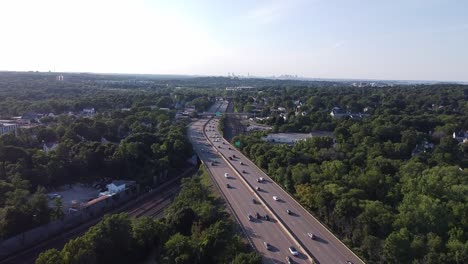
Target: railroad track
152, 206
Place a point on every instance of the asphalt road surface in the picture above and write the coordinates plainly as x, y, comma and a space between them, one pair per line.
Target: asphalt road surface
285, 229
240, 198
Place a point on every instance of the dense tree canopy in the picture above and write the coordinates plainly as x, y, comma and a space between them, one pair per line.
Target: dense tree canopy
379, 183
196, 229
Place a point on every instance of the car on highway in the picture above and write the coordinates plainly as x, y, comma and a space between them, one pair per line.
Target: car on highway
293, 251
312, 236
226, 175
267, 246
276, 198
289, 260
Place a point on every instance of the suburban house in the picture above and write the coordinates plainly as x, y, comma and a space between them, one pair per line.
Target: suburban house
118, 186
7, 127
461, 136
337, 112
48, 147
292, 138
27, 118
88, 111
424, 147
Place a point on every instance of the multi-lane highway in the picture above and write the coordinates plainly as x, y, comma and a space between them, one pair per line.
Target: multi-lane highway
286, 228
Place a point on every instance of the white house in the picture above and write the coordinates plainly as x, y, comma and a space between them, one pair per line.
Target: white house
48, 147
461, 137
7, 127
118, 186
88, 111
337, 112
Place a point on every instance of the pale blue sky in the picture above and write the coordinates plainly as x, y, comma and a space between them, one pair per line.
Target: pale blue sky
372, 39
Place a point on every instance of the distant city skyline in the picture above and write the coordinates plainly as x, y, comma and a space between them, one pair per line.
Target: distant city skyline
376, 40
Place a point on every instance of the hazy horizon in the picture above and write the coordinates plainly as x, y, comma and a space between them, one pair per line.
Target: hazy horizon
367, 40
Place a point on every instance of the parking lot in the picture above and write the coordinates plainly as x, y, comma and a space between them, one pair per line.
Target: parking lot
76, 192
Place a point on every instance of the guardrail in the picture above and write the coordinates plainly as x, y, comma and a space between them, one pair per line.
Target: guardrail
251, 188
229, 207
297, 203
280, 221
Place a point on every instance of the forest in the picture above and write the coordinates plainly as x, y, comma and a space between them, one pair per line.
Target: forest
196, 229
392, 185
129, 137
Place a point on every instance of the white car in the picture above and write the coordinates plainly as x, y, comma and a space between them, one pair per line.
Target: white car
275, 198
293, 251
311, 236
226, 175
